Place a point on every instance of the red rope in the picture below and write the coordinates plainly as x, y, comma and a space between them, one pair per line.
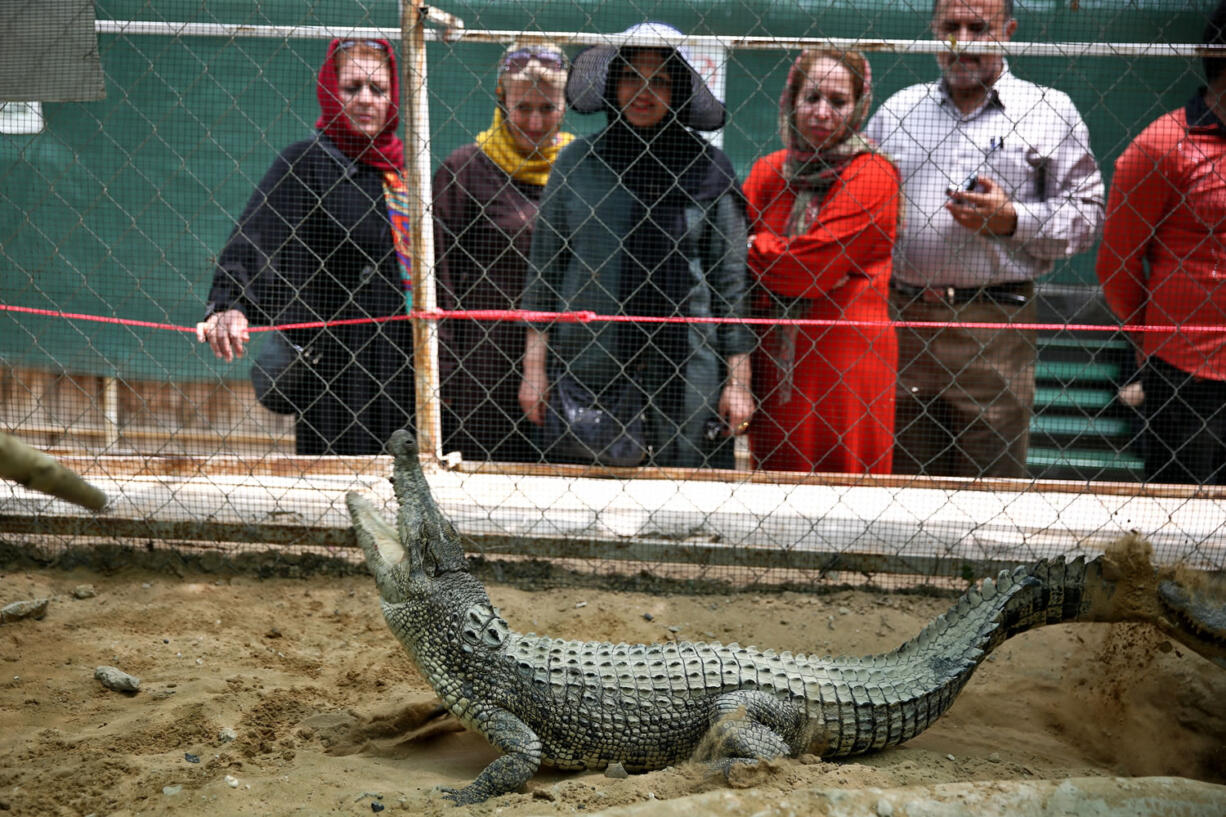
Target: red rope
525, 316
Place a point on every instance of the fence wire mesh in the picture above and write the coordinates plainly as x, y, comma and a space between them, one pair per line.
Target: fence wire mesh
917, 367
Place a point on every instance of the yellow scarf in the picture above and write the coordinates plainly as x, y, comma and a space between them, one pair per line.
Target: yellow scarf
498, 144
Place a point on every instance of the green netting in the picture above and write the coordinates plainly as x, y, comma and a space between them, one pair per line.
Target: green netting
119, 206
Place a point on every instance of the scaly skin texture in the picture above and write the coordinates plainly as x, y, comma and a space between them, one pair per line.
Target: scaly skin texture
578, 705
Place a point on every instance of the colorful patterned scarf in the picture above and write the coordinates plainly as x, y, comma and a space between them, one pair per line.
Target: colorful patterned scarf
396, 194
498, 144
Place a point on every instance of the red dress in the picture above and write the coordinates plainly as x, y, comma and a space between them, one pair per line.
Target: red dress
825, 393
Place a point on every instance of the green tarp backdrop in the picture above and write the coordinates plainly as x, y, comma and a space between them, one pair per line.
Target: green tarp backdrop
119, 206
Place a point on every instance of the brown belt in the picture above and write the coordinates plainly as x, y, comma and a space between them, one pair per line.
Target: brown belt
1014, 294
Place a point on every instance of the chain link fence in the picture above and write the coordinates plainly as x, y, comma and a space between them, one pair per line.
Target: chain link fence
118, 217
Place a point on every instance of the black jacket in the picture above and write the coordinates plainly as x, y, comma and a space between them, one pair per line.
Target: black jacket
313, 243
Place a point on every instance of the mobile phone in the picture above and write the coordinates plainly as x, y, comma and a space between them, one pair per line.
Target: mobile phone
970, 182
714, 428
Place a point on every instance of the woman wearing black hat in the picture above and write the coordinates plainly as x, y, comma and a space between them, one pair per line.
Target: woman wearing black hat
644, 218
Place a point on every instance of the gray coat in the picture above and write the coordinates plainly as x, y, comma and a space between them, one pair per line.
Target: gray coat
575, 265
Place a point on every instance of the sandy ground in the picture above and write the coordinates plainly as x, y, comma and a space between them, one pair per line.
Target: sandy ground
327, 716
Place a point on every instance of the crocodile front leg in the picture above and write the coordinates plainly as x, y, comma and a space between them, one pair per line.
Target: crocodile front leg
521, 758
750, 725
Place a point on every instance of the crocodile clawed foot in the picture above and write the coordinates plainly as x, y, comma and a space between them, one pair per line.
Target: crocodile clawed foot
462, 797
1196, 618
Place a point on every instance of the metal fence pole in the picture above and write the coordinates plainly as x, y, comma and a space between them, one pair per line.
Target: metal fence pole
417, 171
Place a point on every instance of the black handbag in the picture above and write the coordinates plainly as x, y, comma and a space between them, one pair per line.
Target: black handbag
285, 374
609, 433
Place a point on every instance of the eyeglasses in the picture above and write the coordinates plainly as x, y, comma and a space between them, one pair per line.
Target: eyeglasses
518, 60
375, 44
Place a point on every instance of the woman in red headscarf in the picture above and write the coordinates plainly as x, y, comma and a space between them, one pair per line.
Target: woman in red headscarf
316, 243
823, 216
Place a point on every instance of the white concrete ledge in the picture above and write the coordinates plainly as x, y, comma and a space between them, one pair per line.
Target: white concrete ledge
824, 527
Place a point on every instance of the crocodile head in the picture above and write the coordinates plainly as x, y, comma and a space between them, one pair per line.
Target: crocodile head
437, 609
1199, 618
422, 547
1187, 605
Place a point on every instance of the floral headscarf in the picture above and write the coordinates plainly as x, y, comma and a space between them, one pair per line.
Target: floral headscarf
813, 172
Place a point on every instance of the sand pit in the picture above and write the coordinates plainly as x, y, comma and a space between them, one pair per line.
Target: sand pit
287, 696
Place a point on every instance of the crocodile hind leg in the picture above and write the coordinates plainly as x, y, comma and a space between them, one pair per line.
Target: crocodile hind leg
749, 725
522, 758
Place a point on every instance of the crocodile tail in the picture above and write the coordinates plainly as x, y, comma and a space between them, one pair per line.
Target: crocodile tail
1017, 600
887, 699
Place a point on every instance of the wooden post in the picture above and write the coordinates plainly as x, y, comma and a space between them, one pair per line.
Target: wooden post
110, 412
41, 472
416, 115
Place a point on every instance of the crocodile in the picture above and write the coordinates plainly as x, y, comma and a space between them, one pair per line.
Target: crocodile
585, 705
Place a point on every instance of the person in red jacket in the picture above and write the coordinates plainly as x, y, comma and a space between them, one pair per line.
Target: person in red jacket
824, 213
1167, 212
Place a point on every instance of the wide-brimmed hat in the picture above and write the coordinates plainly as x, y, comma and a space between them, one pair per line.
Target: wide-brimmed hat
589, 75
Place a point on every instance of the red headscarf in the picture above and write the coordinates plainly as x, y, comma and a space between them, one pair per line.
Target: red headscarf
385, 151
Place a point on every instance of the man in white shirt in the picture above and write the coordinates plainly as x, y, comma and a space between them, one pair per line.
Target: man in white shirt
999, 182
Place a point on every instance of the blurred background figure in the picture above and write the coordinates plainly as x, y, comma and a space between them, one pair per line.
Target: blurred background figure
485, 200
1161, 262
823, 217
315, 243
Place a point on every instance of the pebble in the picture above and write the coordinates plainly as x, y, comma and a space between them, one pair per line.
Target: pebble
616, 771
674, 629
376, 807
950, 757
226, 735
843, 611
994, 757
84, 591
190, 758
580, 605
171, 791
884, 808
648, 617
232, 781
116, 679
31, 608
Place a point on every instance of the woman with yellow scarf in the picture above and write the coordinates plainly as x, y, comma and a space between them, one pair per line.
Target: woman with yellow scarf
485, 200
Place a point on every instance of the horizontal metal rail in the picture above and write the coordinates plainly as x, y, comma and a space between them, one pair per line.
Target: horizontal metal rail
894, 46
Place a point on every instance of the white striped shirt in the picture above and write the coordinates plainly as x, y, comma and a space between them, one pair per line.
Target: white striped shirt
1030, 139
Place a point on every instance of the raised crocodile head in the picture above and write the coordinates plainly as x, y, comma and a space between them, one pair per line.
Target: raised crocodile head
422, 546
431, 601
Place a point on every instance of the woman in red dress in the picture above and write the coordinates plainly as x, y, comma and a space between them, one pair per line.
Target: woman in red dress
823, 216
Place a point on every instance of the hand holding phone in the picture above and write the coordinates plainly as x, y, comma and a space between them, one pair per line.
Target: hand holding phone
970, 185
